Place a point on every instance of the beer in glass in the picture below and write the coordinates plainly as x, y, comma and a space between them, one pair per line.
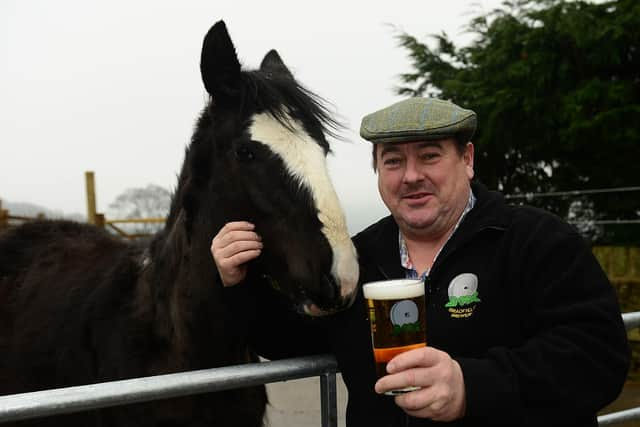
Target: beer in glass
397, 320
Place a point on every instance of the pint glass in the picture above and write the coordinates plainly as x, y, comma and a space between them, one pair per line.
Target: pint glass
397, 320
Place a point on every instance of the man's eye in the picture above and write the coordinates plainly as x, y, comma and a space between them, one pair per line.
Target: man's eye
391, 161
429, 156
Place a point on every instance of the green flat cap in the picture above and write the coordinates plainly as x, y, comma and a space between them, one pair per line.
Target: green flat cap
418, 119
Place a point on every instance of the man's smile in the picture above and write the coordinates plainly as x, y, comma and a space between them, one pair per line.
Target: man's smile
417, 197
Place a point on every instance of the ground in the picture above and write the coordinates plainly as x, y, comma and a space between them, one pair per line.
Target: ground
297, 403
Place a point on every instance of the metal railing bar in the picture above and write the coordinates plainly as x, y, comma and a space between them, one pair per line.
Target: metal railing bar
619, 417
631, 320
329, 401
570, 192
93, 396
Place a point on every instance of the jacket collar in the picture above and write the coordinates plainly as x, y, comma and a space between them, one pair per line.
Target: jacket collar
382, 246
489, 213
491, 209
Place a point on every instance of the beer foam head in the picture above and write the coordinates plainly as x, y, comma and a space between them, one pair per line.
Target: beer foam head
394, 289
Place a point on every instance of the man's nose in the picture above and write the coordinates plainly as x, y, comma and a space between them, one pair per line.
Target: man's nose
412, 171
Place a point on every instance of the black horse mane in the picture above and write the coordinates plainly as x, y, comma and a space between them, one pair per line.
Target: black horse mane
272, 92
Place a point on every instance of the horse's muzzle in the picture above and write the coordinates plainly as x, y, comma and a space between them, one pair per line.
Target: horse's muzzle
339, 302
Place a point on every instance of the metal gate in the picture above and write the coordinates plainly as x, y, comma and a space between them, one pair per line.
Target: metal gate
94, 396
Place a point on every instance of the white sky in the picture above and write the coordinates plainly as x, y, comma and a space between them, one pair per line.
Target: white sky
114, 86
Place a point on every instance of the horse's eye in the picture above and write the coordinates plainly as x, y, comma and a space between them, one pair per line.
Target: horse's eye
244, 154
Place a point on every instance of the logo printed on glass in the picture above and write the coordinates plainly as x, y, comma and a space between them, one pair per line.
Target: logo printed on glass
404, 316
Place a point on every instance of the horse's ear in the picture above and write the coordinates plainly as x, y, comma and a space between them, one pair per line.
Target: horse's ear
219, 63
272, 63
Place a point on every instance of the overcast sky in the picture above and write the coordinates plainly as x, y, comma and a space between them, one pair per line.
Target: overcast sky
114, 86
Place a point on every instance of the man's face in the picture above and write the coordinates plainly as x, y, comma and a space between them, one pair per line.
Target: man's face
424, 184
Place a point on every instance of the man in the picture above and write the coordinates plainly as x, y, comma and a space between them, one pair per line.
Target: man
534, 337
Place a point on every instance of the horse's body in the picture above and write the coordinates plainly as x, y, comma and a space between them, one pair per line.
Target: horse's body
78, 306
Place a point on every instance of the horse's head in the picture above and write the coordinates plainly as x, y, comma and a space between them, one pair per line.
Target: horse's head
258, 154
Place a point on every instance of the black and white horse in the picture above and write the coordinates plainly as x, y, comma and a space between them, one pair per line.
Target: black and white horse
78, 306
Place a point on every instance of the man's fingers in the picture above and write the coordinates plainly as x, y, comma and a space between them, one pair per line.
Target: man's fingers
231, 227
411, 368
243, 257
234, 236
403, 379
442, 393
237, 247
224, 239
416, 401
417, 358
237, 225
232, 247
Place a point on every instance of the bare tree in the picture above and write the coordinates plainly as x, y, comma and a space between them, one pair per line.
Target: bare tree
151, 201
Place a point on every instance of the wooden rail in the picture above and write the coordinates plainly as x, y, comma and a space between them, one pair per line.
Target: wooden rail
6, 218
112, 224
93, 216
96, 218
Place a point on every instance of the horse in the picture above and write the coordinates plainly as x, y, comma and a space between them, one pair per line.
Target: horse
80, 306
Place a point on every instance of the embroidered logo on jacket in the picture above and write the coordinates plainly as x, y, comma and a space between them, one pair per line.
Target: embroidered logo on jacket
463, 295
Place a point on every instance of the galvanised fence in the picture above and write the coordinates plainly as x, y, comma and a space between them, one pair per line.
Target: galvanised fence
94, 396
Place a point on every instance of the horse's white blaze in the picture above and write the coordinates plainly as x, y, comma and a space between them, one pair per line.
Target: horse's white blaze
306, 161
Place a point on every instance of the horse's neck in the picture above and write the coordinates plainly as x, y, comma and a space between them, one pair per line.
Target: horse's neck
183, 299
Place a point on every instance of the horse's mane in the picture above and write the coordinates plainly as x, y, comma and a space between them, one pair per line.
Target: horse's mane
281, 95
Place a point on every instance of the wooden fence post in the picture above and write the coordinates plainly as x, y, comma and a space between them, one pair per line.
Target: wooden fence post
99, 220
91, 197
4, 217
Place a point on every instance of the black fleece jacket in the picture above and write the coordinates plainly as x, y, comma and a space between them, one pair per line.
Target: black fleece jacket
540, 343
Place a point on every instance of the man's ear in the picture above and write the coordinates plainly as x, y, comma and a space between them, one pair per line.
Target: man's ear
467, 157
219, 65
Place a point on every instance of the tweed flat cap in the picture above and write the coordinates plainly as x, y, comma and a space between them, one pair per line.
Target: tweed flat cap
418, 119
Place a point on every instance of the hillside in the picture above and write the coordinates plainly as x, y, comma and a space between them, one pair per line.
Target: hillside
32, 210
